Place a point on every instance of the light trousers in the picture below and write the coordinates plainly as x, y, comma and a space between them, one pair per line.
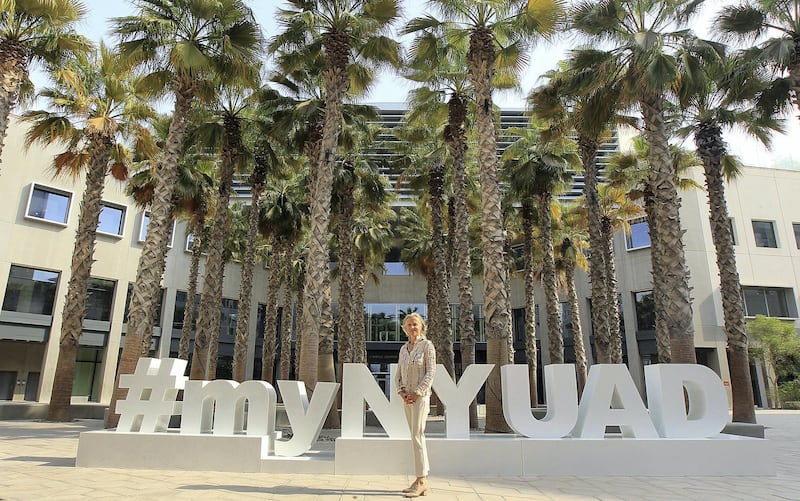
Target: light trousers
417, 416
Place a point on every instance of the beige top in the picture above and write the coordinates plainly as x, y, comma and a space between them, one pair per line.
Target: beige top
416, 368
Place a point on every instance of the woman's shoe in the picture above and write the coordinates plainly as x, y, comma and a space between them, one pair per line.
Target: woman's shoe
420, 490
412, 487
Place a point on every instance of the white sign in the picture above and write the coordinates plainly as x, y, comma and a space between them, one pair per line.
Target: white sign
609, 399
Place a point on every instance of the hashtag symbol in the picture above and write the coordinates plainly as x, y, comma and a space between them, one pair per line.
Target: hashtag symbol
152, 390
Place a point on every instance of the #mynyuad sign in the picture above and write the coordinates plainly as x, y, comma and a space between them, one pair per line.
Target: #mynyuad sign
217, 408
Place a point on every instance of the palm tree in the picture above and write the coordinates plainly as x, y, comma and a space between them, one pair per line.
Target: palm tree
541, 169
590, 113
344, 31
281, 221
422, 154
571, 237
264, 158
193, 192
780, 22
95, 106
223, 130
34, 31
359, 188
372, 241
625, 196
722, 101
498, 33
648, 38
445, 93
183, 41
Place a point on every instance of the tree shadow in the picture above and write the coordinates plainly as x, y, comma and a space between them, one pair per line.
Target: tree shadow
46, 461
289, 490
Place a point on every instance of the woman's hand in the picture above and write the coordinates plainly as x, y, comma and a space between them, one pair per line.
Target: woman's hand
410, 398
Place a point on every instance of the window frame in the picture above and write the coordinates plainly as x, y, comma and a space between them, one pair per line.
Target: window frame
788, 297
123, 219
774, 234
146, 215
56, 290
628, 236
55, 191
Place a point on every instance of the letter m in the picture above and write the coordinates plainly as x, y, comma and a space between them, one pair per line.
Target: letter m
218, 407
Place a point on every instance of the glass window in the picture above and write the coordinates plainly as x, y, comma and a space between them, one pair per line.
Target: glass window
100, 299
49, 204
769, 301
30, 290
146, 223
396, 268
180, 307
764, 232
566, 320
645, 310
157, 319
639, 237
229, 309
112, 219
479, 325
261, 322
384, 320
796, 227
733, 233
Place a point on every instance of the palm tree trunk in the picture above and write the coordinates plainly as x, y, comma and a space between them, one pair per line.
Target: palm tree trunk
610, 275
246, 287
457, 144
82, 260
346, 207
286, 317
555, 336
581, 365
600, 302
531, 352
673, 284
327, 367
13, 57
298, 341
269, 348
335, 79
191, 287
203, 364
663, 343
481, 59
710, 149
151, 263
442, 336
359, 327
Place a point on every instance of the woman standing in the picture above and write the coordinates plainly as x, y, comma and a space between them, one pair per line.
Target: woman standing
417, 365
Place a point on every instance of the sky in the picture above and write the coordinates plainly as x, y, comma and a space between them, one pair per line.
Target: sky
392, 88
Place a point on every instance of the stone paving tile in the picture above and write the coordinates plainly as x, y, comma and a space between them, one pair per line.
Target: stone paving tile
36, 459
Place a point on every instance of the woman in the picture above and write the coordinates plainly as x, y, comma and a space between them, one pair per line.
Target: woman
416, 367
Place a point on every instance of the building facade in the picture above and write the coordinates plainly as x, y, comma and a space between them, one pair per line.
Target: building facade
38, 221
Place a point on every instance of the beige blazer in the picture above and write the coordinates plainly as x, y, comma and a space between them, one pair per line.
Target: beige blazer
416, 368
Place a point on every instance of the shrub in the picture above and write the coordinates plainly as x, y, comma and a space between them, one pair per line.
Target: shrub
790, 391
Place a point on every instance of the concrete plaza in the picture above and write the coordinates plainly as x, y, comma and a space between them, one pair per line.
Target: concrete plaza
37, 461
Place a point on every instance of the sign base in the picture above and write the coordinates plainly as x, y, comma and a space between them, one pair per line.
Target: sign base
482, 454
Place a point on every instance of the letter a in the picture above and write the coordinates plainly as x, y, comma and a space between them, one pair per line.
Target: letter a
611, 398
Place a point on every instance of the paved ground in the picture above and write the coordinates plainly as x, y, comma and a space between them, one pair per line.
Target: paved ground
37, 461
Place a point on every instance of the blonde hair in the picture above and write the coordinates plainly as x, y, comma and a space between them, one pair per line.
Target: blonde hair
423, 323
